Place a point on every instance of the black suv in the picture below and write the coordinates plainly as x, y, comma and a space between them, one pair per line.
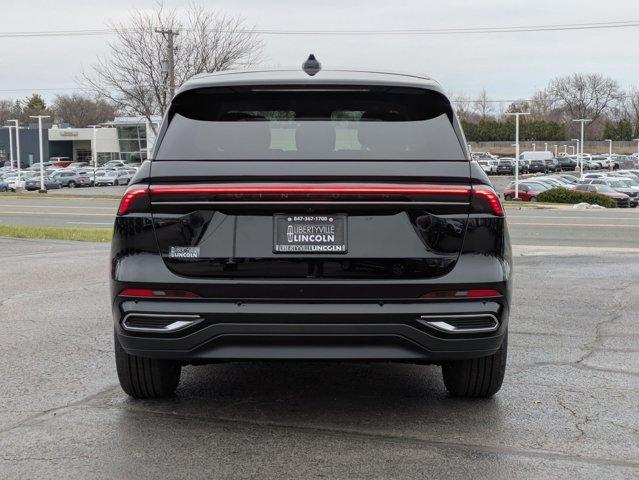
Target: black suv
294, 217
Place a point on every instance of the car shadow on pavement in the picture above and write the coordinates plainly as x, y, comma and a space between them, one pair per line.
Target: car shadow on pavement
331, 395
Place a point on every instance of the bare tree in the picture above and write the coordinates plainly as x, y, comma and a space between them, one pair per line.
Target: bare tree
629, 109
131, 77
584, 95
463, 107
81, 111
483, 105
6, 111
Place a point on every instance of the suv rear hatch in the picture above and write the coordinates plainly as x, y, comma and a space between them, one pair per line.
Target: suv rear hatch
282, 183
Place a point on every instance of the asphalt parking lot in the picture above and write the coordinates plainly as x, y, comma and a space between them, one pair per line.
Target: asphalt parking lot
568, 407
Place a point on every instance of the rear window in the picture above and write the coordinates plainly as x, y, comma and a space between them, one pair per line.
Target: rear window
328, 123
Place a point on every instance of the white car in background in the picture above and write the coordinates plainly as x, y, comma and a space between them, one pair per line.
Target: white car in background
485, 165
111, 177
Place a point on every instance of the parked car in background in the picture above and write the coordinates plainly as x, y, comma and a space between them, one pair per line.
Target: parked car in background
35, 167
60, 162
70, 179
567, 164
617, 186
114, 163
552, 165
528, 191
485, 166
536, 155
34, 184
110, 177
556, 181
623, 200
568, 178
78, 165
14, 181
505, 167
537, 166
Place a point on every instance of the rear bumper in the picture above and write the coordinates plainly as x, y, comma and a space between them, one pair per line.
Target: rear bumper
311, 331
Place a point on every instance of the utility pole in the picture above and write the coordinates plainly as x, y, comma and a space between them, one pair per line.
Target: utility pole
517, 115
583, 121
40, 117
10, 145
169, 69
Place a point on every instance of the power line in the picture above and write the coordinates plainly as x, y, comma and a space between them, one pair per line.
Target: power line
389, 32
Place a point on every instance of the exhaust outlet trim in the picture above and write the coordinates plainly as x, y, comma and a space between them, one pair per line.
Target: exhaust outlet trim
165, 325
484, 323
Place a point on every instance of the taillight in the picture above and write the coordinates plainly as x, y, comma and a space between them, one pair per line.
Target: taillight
485, 200
135, 198
151, 293
473, 293
311, 191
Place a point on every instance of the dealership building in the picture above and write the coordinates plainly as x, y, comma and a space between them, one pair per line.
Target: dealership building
126, 138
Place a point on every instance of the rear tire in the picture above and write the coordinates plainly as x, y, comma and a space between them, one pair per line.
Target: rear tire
71, 184
146, 377
477, 377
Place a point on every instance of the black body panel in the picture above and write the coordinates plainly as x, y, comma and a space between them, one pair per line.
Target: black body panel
362, 304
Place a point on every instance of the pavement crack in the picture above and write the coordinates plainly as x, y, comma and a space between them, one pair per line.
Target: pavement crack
581, 421
45, 413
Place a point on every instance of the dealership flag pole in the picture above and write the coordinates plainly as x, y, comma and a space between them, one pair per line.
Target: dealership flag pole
40, 117
517, 114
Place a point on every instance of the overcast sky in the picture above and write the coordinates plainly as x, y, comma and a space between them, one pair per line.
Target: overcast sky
507, 65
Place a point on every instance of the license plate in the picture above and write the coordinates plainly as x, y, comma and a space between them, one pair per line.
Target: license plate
310, 233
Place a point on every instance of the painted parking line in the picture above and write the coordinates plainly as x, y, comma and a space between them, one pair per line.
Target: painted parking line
63, 214
589, 225
90, 223
30, 206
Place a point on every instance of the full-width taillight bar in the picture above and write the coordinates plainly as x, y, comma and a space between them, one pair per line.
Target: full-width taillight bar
483, 198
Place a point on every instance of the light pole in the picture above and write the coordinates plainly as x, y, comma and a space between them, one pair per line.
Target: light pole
534, 147
517, 115
545, 147
566, 149
40, 117
556, 150
10, 127
573, 149
609, 152
17, 127
94, 150
582, 121
572, 152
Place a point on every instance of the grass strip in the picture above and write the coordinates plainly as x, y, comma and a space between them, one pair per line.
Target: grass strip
79, 234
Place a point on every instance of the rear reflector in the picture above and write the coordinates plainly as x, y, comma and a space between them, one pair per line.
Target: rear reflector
149, 293
475, 293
